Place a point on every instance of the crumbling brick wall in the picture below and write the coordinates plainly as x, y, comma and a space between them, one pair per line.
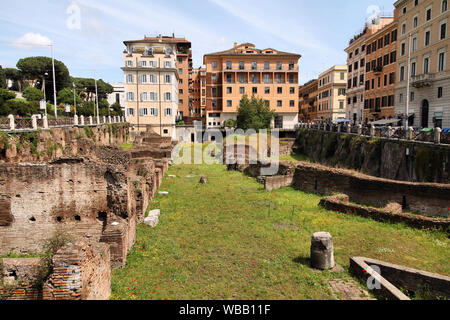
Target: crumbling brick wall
18, 279
81, 271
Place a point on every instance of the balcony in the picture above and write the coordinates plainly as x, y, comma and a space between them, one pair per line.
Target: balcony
422, 80
378, 69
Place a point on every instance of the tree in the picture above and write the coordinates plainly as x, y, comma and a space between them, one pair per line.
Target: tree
33, 94
20, 107
16, 77
2, 78
66, 96
230, 123
87, 87
35, 68
254, 114
116, 109
5, 95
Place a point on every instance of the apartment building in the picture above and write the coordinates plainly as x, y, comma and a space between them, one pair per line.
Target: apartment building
269, 74
356, 64
308, 101
423, 31
198, 94
380, 71
332, 94
156, 74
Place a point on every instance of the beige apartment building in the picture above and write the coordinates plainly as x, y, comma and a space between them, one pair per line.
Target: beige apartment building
269, 74
332, 94
153, 68
424, 24
356, 64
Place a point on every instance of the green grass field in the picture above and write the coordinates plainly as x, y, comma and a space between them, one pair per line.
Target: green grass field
221, 241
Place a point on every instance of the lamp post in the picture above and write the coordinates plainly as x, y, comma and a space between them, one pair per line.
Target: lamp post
54, 83
74, 98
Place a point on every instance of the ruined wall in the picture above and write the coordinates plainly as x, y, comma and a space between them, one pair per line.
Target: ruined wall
79, 198
390, 159
425, 198
47, 145
81, 271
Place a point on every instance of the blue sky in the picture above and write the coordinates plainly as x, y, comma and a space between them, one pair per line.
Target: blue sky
318, 30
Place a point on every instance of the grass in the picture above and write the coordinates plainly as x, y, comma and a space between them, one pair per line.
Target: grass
294, 158
221, 241
126, 146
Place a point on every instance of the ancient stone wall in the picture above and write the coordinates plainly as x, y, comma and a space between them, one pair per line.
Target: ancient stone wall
390, 159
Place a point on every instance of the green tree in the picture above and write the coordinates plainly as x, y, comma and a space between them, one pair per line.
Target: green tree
33, 94
15, 76
230, 123
116, 109
87, 87
66, 96
20, 107
33, 68
254, 114
2, 78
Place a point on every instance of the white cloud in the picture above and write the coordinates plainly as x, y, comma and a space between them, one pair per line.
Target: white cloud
32, 40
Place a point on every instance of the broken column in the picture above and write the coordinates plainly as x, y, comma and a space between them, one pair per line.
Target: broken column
322, 255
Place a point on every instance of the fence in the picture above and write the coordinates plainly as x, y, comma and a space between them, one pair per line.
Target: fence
436, 135
12, 124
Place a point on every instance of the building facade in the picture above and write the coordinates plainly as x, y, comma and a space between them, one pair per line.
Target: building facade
307, 95
356, 64
380, 71
332, 94
153, 75
423, 28
118, 96
268, 74
198, 94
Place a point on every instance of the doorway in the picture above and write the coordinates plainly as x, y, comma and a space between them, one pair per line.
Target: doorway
425, 113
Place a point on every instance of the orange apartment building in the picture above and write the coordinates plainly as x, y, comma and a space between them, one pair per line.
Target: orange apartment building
381, 67
269, 74
198, 96
308, 101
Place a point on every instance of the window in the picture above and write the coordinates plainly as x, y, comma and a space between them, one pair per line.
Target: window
143, 78
267, 90
229, 103
414, 44
143, 112
342, 75
153, 96
180, 71
426, 65
279, 66
280, 90
291, 103
292, 90
153, 112
402, 73
440, 92
153, 78
428, 14
413, 69
412, 96
341, 104
415, 22
266, 78
403, 50
130, 96
241, 90
241, 78
427, 37
266, 65
393, 57
279, 103
144, 96
403, 28
142, 63
168, 96
443, 30
254, 65
444, 6
229, 65
241, 65
441, 65
229, 90
168, 78
291, 65
130, 64
167, 112
394, 36
168, 64
214, 91
255, 90
214, 77
214, 64
130, 78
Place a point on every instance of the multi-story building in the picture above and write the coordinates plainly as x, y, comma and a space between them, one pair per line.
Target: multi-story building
152, 75
332, 94
198, 94
308, 101
269, 74
380, 72
423, 24
118, 95
356, 62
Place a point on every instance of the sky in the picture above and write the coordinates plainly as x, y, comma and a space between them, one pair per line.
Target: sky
88, 35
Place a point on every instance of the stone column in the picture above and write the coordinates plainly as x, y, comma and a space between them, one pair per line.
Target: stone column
359, 129
104, 119
437, 135
109, 119
82, 120
90, 120
45, 122
322, 253
34, 123
75, 120
12, 124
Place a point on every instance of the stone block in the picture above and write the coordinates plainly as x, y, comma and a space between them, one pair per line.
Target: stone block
322, 252
153, 218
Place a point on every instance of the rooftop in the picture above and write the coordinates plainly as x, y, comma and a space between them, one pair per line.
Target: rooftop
246, 49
